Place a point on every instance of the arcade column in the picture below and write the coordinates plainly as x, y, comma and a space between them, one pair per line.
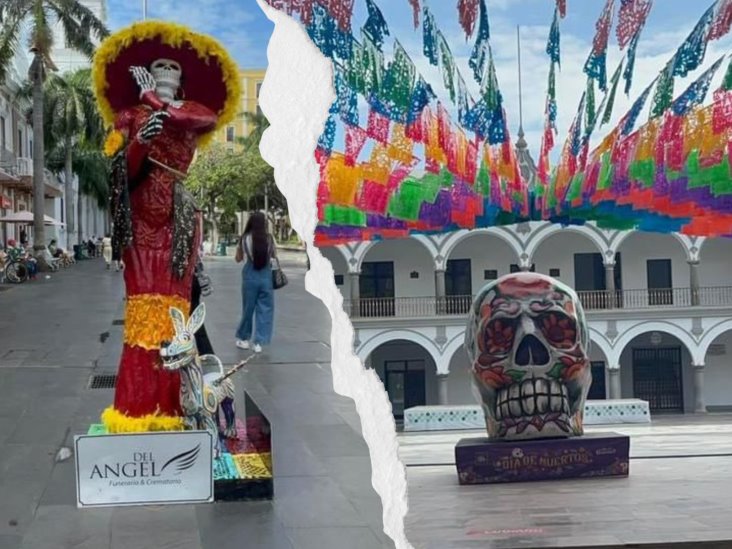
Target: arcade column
440, 290
614, 375
610, 285
442, 389
355, 294
699, 406
694, 282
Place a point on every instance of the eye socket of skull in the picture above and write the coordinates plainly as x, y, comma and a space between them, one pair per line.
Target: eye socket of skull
559, 329
498, 335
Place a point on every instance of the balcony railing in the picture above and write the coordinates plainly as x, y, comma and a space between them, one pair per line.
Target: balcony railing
420, 307
15, 166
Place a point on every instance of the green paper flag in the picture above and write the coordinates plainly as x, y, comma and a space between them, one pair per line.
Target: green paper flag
590, 105
664, 94
447, 65
400, 78
490, 89
727, 82
607, 115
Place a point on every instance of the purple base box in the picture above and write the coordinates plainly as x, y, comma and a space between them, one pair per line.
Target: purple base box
481, 461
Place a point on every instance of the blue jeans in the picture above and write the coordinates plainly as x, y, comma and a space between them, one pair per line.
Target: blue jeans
257, 300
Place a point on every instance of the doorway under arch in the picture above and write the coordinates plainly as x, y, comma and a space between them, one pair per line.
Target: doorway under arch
655, 366
408, 373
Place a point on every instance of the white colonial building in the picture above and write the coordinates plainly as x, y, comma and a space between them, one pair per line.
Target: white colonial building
659, 307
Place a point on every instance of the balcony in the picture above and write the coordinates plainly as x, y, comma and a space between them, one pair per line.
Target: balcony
593, 302
17, 173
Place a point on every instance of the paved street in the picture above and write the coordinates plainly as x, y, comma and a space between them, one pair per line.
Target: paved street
55, 333
679, 491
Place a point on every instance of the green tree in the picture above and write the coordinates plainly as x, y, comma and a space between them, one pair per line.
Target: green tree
71, 123
38, 17
220, 179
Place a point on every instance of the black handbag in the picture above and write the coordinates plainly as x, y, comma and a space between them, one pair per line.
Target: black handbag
279, 279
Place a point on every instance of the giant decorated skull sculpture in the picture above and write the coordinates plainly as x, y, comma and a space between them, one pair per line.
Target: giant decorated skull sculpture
528, 345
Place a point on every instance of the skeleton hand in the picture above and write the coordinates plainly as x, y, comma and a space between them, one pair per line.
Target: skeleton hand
152, 127
176, 104
144, 79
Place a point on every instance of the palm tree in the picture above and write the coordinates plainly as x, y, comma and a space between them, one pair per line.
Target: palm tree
80, 27
259, 124
92, 168
71, 121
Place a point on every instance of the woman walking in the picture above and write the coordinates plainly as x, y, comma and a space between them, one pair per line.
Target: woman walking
256, 248
107, 250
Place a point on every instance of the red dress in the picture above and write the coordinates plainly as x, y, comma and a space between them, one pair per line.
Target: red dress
143, 386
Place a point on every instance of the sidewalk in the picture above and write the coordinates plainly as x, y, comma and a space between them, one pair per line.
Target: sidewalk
57, 332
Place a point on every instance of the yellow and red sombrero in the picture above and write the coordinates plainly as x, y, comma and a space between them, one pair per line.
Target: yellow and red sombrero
210, 75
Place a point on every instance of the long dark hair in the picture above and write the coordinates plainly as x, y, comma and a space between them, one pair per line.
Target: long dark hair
257, 229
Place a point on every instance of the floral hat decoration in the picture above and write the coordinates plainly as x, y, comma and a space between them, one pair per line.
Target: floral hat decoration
210, 75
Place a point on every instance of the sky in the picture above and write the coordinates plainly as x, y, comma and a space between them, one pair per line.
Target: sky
244, 29
240, 25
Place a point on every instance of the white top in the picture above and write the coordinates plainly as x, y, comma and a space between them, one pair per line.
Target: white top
249, 246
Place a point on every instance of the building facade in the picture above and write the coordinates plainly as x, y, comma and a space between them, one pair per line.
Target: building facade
67, 59
251, 82
659, 308
16, 157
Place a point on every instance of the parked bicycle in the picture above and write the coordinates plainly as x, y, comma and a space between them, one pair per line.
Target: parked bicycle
15, 266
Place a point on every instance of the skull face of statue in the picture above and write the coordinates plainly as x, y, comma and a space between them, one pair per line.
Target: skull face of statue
528, 345
167, 74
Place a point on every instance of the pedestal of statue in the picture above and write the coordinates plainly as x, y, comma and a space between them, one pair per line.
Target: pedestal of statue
244, 470
482, 461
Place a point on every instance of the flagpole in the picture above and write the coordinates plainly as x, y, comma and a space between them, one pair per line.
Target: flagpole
520, 87
144, 9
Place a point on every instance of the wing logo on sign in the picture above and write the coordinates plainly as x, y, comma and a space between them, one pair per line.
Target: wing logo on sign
183, 461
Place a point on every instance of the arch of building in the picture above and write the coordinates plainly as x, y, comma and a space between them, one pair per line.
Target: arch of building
690, 246
388, 336
599, 341
538, 237
361, 252
645, 327
710, 335
455, 239
454, 346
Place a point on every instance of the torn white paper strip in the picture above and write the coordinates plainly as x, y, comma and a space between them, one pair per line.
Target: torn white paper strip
295, 97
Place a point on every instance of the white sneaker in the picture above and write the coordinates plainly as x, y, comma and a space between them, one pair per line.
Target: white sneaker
242, 344
257, 348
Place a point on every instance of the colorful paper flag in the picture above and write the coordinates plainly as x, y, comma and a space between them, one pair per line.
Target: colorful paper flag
607, 114
664, 94
696, 92
429, 37
722, 20
691, 53
468, 12
375, 26
552, 45
631, 19
479, 56
595, 67
415, 12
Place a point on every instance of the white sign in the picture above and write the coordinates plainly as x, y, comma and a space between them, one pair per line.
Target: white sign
144, 468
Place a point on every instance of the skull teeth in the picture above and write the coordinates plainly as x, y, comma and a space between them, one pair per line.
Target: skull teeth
531, 397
